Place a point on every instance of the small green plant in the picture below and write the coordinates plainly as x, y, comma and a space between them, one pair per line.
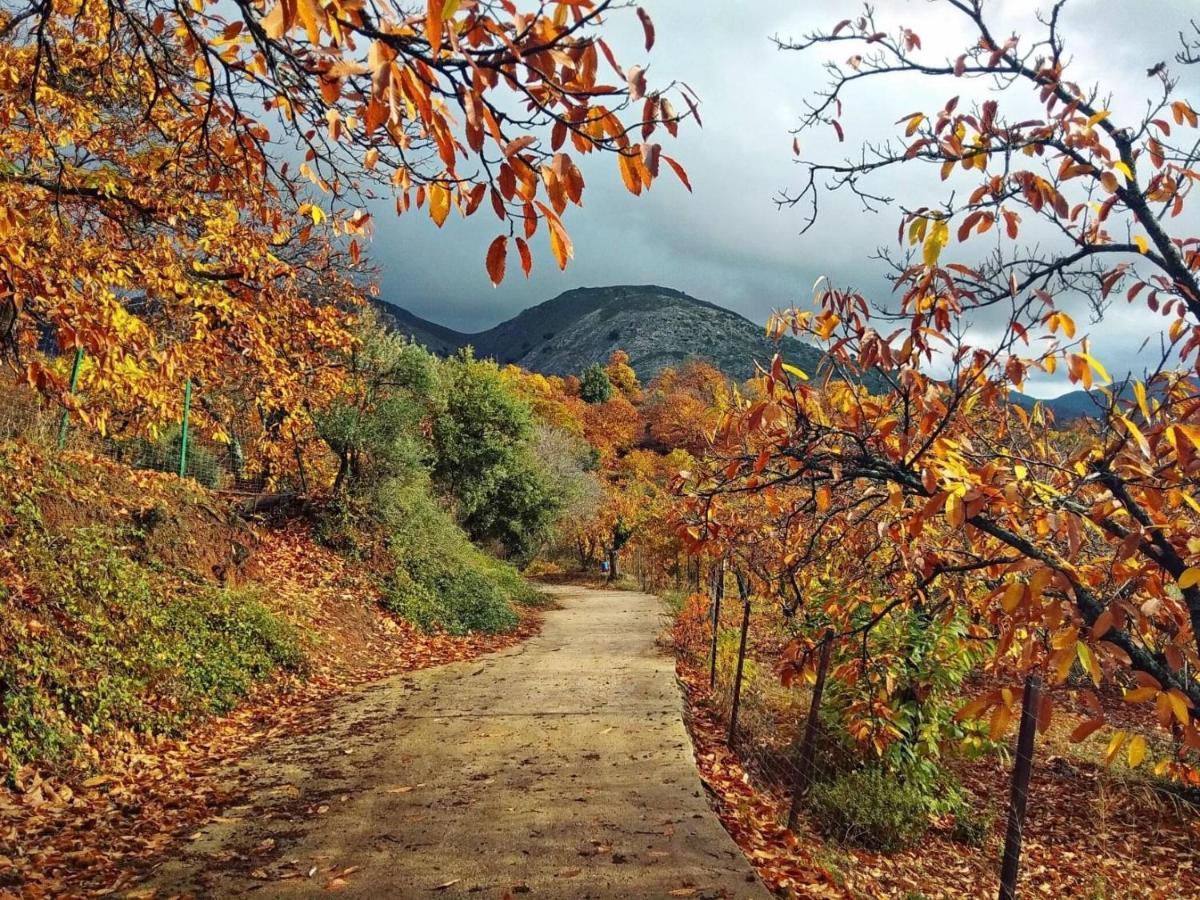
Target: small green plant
870, 809
972, 827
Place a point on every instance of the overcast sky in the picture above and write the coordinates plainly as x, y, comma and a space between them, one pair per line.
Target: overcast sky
727, 242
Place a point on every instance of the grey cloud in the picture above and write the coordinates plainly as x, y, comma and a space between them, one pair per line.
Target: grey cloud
728, 243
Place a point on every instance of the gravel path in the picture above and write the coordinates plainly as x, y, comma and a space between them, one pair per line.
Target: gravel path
560, 768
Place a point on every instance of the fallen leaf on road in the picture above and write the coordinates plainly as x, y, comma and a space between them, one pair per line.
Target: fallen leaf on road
568, 873
446, 884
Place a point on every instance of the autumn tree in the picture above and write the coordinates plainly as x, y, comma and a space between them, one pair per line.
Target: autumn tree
681, 405
622, 376
149, 220
1066, 547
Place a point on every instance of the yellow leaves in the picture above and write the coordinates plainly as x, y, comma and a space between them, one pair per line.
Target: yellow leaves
439, 204
932, 233
1180, 705
1012, 596
1140, 695
798, 373
1080, 367
314, 212
956, 513
1137, 751
1087, 659
1143, 245
277, 23
1097, 118
1189, 578
1114, 746
938, 238
1124, 169
1060, 319
1136, 434
1139, 392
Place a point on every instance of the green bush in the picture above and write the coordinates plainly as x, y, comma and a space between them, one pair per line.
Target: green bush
113, 645
438, 578
870, 809
972, 827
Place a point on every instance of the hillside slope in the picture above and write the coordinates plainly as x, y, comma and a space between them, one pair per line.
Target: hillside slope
656, 326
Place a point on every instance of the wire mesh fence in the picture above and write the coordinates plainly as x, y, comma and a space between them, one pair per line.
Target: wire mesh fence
224, 465
766, 722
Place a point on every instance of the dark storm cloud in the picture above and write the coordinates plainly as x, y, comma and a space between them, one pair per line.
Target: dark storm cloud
728, 242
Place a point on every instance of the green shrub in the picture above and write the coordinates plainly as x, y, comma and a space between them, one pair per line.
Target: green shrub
870, 809
972, 827
113, 645
439, 578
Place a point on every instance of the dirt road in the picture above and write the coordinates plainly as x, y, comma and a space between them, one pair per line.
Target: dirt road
559, 768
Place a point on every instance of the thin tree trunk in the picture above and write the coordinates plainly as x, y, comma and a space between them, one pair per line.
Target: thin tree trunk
804, 776
718, 595
1020, 788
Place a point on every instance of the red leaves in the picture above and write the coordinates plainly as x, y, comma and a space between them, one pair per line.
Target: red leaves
433, 25
496, 256
679, 171
647, 27
526, 256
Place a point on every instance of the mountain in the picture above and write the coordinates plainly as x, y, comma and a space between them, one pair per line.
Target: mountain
656, 326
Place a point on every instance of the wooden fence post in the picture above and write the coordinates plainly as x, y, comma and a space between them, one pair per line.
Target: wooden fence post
718, 595
804, 775
741, 660
1020, 787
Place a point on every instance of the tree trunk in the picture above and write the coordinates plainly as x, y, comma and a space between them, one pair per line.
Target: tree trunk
614, 558
1020, 788
804, 775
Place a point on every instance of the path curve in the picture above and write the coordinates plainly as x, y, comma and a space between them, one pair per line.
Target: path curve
559, 768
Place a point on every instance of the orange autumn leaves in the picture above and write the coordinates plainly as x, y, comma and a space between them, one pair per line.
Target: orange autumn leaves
183, 248
432, 79
1068, 547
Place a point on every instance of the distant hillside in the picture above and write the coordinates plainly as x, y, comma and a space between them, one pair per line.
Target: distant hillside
656, 326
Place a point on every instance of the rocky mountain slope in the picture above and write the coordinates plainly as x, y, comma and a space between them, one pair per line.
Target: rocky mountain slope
656, 326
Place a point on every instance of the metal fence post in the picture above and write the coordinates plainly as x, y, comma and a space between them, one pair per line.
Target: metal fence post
1020, 788
718, 595
741, 660
183, 440
62, 423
